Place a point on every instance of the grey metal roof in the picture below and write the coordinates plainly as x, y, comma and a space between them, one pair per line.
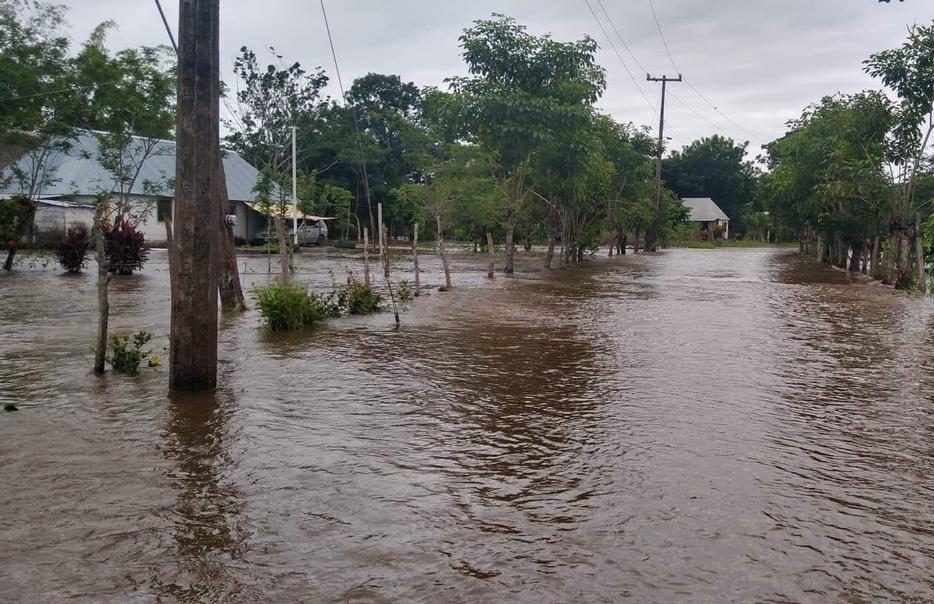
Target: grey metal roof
703, 209
79, 172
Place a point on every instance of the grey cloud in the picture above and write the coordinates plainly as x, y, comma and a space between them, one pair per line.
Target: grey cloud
758, 61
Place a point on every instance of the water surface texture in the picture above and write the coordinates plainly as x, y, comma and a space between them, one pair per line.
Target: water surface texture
695, 426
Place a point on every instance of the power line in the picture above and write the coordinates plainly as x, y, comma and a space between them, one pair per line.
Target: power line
671, 58
717, 109
620, 57
662, 35
366, 179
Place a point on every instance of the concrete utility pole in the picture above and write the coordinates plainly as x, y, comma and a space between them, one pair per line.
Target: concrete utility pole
294, 188
193, 346
658, 157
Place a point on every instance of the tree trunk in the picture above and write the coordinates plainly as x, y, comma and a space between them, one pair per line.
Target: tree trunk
228, 275
902, 260
919, 257
857, 254
103, 283
10, 255
552, 242
284, 260
510, 249
415, 256
874, 258
489, 245
193, 339
839, 251
635, 242
444, 254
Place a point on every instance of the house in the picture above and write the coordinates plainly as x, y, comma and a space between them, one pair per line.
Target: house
77, 176
714, 221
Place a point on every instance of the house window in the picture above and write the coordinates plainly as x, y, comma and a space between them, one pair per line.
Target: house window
163, 210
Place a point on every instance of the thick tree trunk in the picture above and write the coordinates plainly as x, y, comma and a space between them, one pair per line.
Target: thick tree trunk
228, 275
635, 242
10, 255
415, 257
444, 254
193, 340
919, 256
489, 246
902, 260
839, 251
552, 242
510, 249
103, 284
874, 259
855, 257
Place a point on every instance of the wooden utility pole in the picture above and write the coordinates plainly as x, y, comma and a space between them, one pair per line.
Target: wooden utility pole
656, 226
193, 345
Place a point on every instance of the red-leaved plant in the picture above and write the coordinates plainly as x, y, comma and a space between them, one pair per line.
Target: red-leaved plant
124, 246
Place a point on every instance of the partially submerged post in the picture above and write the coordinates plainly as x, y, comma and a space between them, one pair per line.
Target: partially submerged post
103, 283
366, 256
385, 237
415, 255
489, 246
379, 225
193, 343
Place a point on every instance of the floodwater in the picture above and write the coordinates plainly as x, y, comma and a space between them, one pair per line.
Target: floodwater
695, 426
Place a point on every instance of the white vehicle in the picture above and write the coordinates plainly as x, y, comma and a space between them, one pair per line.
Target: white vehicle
309, 233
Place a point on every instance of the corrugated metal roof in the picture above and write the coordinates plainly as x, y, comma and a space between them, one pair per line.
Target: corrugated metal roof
703, 209
78, 172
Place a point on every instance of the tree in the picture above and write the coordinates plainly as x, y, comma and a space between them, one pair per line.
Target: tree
523, 92
909, 72
34, 71
714, 167
828, 176
268, 103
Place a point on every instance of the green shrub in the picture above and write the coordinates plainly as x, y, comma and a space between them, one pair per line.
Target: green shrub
359, 299
126, 357
405, 292
288, 307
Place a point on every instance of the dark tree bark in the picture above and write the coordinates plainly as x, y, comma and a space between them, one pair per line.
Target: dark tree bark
193, 342
228, 277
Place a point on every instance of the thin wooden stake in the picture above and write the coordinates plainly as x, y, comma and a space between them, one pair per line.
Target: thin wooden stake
415, 256
366, 256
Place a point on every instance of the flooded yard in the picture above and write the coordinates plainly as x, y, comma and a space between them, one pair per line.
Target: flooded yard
694, 426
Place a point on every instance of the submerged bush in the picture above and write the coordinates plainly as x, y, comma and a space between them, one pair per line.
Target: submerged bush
126, 356
72, 252
405, 292
125, 247
287, 307
359, 298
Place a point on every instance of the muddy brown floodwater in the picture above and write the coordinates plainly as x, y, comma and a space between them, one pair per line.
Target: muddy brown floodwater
697, 426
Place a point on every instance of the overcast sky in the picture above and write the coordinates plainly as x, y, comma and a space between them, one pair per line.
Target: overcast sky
758, 61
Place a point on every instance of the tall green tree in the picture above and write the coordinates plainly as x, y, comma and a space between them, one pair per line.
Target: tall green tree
523, 92
909, 72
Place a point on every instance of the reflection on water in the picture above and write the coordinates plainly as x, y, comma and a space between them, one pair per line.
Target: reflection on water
696, 426
208, 536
